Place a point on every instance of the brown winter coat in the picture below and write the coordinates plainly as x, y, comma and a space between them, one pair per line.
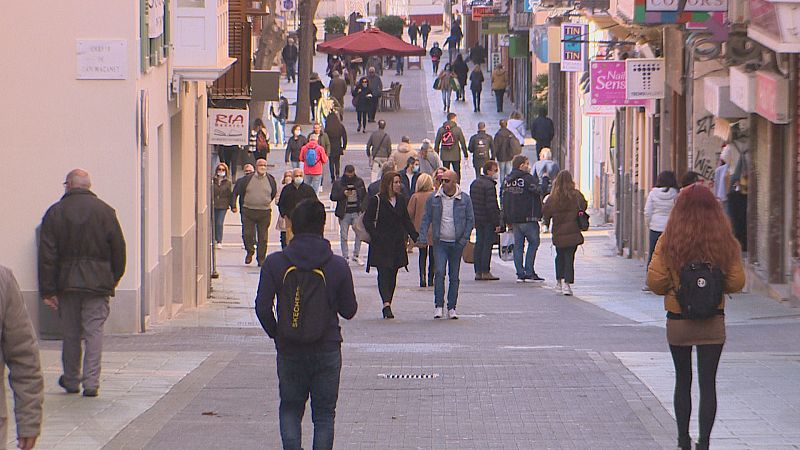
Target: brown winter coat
416, 209
564, 215
338, 88
499, 79
401, 155
664, 280
20, 352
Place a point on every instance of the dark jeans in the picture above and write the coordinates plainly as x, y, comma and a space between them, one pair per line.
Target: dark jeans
476, 99
219, 222
447, 258
498, 94
737, 207
707, 362
361, 116
565, 264
484, 240
435, 67
414, 40
255, 225
373, 108
425, 41
283, 240
291, 74
654, 235
226, 153
334, 165
299, 376
387, 282
455, 165
426, 254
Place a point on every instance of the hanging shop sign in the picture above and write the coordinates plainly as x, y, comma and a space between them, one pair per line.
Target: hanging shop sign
688, 5
494, 25
594, 110
101, 59
228, 126
573, 46
538, 35
772, 96
529, 6
644, 78
607, 86
743, 88
155, 18
670, 11
481, 11
774, 24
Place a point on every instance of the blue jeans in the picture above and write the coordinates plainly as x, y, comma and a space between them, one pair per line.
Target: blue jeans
505, 169
446, 94
219, 222
279, 137
299, 376
315, 181
523, 231
484, 240
349, 220
295, 164
446, 256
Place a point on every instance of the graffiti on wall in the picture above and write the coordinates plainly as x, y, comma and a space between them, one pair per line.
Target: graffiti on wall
706, 147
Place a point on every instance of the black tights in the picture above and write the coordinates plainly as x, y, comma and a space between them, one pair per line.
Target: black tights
361, 117
334, 164
426, 253
387, 281
707, 362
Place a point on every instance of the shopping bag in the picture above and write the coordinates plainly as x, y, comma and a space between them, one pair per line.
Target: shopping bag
469, 253
507, 246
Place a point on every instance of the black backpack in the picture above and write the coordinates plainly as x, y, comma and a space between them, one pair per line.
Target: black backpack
544, 184
700, 292
481, 148
303, 309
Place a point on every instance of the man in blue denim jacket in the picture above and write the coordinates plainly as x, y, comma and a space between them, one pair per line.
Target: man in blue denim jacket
449, 213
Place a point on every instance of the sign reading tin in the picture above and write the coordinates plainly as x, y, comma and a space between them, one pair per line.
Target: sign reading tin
102, 60
644, 78
573, 47
608, 84
228, 126
690, 5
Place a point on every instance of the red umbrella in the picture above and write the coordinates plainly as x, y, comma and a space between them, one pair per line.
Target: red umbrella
370, 42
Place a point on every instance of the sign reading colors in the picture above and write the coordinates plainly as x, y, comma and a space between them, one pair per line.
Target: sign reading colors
228, 126
573, 46
608, 84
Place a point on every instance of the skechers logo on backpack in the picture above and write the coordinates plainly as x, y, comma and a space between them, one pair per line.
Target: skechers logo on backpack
303, 310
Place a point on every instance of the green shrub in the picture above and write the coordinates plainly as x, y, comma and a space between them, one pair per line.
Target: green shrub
390, 24
335, 24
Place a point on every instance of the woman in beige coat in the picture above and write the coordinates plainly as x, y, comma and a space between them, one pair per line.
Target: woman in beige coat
499, 85
416, 209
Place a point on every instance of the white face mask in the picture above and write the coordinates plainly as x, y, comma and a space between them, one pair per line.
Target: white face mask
298, 181
221, 173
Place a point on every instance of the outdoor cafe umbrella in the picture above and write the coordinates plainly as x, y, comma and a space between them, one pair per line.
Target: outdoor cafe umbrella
370, 42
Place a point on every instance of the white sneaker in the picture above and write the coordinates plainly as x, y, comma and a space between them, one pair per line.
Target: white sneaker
558, 286
566, 290
451, 313
219, 246
357, 261
437, 313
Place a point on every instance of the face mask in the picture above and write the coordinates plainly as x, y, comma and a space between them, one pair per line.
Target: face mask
221, 173
416, 169
261, 170
496, 176
298, 181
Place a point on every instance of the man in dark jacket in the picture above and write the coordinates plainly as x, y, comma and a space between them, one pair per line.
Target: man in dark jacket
522, 210
349, 193
376, 88
257, 191
311, 368
379, 148
81, 260
481, 145
338, 89
448, 147
477, 54
289, 55
425, 30
483, 192
504, 150
291, 195
542, 130
413, 31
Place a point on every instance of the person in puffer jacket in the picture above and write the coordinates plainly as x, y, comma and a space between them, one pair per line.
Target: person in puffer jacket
659, 203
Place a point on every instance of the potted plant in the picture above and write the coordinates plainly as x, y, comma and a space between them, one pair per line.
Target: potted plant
391, 25
334, 27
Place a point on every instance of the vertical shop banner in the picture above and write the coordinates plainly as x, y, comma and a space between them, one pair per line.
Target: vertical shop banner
228, 126
645, 78
573, 47
538, 36
607, 86
155, 18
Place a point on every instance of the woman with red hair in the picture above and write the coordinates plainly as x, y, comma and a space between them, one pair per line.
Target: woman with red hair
698, 231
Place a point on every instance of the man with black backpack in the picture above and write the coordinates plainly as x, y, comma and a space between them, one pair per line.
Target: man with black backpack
449, 139
481, 145
313, 287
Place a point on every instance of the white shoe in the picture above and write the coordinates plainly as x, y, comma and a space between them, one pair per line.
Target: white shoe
357, 261
558, 286
437, 313
451, 313
567, 290
219, 246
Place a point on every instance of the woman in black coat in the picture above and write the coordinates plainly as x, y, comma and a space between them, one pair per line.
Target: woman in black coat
338, 136
293, 145
461, 70
362, 100
389, 226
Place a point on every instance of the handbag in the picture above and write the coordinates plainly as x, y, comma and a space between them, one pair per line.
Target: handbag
437, 83
469, 253
583, 220
360, 229
507, 246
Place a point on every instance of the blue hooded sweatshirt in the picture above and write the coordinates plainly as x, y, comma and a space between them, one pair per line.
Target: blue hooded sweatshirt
308, 252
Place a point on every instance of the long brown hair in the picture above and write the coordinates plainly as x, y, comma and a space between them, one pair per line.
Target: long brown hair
386, 184
563, 187
698, 230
